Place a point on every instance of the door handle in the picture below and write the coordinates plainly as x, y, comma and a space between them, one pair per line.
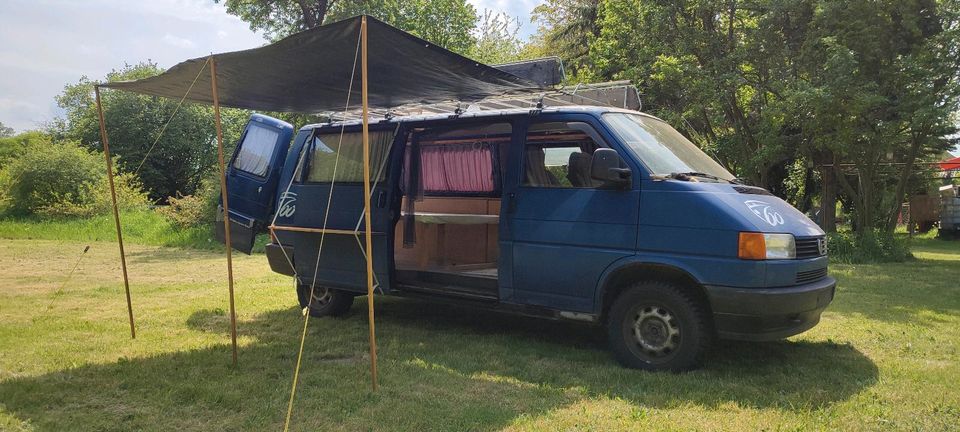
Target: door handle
381, 199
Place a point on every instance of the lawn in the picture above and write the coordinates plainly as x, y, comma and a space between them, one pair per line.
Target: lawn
884, 357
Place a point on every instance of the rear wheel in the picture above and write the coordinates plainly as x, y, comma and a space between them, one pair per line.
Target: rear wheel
657, 326
326, 301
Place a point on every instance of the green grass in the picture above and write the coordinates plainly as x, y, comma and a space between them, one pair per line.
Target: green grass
885, 356
144, 227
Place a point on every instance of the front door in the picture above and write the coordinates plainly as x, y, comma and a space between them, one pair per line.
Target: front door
252, 178
566, 228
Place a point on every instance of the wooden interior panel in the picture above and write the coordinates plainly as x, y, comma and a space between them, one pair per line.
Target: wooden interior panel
450, 245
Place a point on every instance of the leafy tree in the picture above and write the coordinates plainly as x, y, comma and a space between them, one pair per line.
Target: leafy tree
447, 23
279, 18
184, 152
567, 28
497, 40
786, 92
6, 131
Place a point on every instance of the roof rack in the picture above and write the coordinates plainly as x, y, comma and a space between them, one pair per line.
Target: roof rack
619, 94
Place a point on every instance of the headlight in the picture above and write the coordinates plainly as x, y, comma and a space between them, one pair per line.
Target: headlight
761, 246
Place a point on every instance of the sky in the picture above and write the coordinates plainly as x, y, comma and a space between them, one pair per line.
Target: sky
46, 44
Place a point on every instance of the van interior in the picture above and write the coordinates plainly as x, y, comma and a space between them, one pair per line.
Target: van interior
447, 238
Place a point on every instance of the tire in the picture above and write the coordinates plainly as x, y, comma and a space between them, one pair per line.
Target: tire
326, 301
657, 326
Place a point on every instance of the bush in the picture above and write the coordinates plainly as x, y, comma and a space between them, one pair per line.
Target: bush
867, 247
13, 147
60, 180
199, 209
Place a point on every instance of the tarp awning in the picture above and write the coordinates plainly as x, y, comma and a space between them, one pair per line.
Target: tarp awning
310, 72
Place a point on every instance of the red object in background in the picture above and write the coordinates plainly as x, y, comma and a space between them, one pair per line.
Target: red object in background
950, 164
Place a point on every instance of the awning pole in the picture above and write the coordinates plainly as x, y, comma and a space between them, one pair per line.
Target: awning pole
116, 211
226, 206
368, 234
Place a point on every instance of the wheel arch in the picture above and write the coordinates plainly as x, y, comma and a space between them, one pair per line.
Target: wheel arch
621, 275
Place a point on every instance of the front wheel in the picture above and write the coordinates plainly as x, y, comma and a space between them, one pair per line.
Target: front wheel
326, 301
657, 326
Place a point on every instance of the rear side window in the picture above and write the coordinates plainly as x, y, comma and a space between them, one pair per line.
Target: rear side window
326, 167
256, 149
461, 161
559, 155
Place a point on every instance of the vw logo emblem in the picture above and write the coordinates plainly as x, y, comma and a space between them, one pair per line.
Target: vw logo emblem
763, 211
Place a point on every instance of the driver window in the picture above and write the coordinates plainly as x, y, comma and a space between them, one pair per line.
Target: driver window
559, 155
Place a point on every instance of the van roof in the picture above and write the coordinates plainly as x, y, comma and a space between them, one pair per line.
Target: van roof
483, 114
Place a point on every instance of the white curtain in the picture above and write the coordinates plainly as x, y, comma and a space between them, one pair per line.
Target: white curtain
256, 150
350, 164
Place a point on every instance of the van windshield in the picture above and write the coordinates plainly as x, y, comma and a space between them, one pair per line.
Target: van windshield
662, 149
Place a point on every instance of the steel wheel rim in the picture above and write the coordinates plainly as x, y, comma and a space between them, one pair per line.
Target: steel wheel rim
656, 331
321, 296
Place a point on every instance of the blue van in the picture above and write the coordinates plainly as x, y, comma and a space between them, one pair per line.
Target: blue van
596, 214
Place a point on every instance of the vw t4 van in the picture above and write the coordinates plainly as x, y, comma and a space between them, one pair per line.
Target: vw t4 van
595, 214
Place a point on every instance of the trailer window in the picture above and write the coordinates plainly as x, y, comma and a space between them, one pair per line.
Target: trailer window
559, 154
326, 167
256, 149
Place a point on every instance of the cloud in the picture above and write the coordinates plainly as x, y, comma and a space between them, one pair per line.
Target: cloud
515, 8
50, 43
177, 41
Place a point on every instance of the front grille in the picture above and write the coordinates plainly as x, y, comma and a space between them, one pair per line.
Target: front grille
809, 247
811, 275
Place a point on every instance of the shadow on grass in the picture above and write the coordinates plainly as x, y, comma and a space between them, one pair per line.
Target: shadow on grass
442, 368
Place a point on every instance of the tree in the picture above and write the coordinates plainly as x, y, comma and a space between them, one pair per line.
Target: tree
567, 28
279, 18
779, 90
6, 131
181, 157
447, 23
497, 40
880, 83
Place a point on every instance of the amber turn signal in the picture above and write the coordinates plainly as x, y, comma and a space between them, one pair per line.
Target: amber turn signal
752, 246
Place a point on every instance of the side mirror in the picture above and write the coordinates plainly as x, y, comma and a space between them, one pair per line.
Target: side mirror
608, 168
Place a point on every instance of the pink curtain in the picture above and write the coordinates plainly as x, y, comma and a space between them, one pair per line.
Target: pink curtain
457, 168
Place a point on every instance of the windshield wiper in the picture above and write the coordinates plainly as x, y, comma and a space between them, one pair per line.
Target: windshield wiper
686, 176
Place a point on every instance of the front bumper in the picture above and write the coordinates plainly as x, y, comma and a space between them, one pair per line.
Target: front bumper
761, 314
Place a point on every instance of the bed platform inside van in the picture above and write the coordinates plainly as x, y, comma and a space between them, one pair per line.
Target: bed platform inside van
456, 248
